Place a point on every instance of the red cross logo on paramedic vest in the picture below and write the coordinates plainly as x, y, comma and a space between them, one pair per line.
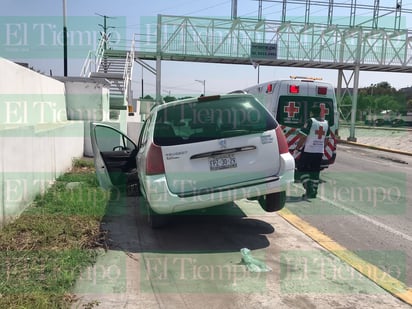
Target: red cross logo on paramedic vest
320, 132
323, 110
291, 109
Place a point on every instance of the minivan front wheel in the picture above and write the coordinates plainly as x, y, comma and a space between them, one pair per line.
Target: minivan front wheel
273, 202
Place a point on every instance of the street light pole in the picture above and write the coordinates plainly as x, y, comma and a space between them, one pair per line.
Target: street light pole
204, 85
64, 39
142, 83
258, 77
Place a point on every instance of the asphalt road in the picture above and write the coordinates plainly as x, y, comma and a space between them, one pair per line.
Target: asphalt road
195, 262
365, 205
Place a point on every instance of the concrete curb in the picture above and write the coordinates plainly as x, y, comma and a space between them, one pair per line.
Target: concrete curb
376, 275
407, 129
341, 141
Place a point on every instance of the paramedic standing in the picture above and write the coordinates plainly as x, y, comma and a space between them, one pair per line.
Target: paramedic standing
312, 144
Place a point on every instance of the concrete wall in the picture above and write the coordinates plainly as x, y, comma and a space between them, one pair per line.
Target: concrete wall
87, 99
134, 126
37, 142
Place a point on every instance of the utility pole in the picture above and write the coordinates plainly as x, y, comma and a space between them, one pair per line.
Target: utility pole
234, 9
105, 28
105, 37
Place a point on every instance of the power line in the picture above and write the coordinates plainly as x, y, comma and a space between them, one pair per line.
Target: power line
209, 7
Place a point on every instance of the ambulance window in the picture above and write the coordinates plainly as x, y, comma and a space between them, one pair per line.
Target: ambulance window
293, 111
326, 107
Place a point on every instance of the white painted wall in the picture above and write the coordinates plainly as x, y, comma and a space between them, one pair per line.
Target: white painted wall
37, 142
87, 100
27, 97
134, 126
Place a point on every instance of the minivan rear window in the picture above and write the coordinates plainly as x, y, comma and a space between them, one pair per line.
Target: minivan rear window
213, 119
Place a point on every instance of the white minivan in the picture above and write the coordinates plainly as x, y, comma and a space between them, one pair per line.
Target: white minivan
200, 152
290, 101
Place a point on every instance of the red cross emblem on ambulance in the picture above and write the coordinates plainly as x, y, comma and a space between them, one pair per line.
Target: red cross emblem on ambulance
323, 110
291, 109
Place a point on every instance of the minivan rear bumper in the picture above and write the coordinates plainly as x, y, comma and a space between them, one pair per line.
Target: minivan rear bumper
163, 201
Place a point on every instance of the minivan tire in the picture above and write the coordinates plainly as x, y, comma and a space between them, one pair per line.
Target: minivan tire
273, 202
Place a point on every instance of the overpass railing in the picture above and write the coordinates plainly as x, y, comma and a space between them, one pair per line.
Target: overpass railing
235, 40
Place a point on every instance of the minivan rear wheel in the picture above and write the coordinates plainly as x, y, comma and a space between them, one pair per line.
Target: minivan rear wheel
273, 202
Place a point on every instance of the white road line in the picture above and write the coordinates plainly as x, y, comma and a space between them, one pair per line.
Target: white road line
370, 220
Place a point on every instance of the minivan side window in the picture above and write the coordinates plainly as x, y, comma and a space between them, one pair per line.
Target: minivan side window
109, 139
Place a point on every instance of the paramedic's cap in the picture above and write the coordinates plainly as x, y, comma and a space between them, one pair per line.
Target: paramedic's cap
315, 110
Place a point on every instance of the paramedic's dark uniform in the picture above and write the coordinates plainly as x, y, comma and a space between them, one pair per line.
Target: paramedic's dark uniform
315, 130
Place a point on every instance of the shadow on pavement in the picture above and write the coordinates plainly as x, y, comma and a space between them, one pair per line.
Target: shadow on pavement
224, 228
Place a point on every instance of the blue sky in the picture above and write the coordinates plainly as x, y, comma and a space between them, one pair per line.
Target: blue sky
178, 78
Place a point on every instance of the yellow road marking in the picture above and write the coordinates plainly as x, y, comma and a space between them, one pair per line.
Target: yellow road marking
381, 278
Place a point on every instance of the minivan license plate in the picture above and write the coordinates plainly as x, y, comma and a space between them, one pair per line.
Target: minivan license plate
222, 162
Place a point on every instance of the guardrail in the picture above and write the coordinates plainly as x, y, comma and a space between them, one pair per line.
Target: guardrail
128, 71
94, 59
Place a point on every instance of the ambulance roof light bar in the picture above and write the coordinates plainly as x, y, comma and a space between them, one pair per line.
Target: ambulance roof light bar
305, 77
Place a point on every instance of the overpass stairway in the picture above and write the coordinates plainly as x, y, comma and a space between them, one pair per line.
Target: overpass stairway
115, 68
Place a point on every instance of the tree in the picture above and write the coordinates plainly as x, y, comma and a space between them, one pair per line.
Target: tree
187, 97
148, 97
409, 105
384, 88
387, 102
169, 98
381, 96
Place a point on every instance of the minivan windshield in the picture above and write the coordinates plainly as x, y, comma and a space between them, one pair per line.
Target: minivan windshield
199, 121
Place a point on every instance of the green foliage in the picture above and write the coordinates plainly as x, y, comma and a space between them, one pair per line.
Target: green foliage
409, 105
169, 99
83, 162
148, 97
186, 97
46, 248
379, 97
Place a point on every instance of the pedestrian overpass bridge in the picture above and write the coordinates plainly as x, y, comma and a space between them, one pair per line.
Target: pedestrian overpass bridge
242, 41
348, 49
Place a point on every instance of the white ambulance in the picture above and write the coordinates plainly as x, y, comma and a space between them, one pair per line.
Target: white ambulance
290, 102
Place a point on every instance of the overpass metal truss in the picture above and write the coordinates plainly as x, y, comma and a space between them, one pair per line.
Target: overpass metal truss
242, 41
275, 43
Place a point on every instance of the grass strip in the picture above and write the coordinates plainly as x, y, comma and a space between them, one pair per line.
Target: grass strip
44, 250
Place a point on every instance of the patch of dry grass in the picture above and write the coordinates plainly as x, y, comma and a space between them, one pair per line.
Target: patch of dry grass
44, 250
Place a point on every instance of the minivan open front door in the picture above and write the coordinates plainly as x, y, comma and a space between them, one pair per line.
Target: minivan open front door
114, 156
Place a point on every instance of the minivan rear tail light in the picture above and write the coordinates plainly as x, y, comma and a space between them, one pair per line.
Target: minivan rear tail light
293, 88
269, 88
282, 142
322, 90
154, 162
